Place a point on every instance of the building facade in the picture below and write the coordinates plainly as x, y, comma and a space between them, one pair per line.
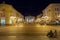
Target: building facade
29, 19
52, 11
9, 15
38, 17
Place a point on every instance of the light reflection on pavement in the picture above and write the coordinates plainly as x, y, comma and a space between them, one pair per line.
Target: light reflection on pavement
26, 38
27, 32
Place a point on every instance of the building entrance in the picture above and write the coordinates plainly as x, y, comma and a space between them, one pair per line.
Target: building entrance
2, 21
10, 22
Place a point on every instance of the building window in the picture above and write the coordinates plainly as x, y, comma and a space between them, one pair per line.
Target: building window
49, 10
57, 9
3, 9
10, 21
2, 15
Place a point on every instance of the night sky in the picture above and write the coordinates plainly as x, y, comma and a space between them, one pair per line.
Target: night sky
30, 7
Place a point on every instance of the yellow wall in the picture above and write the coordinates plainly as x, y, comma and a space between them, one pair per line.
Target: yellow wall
9, 11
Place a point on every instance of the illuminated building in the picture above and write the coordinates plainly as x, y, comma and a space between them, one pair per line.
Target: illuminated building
9, 15
52, 11
29, 19
38, 18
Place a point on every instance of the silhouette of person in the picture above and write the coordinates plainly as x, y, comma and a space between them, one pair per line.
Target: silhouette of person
50, 34
55, 34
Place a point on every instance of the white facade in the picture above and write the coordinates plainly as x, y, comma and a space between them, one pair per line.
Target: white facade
29, 19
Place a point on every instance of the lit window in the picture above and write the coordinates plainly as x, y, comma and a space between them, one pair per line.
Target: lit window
10, 21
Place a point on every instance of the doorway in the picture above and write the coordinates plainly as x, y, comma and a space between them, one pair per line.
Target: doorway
2, 21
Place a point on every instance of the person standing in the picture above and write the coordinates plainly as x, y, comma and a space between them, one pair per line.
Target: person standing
50, 34
55, 34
